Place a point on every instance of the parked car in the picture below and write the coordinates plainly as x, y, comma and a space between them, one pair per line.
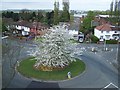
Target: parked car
81, 37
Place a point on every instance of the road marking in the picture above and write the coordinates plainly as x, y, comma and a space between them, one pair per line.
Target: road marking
110, 63
4, 37
107, 60
109, 85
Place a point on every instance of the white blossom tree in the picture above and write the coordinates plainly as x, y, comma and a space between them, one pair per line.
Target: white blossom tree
54, 52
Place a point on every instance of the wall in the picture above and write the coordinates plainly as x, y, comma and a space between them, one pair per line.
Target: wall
98, 34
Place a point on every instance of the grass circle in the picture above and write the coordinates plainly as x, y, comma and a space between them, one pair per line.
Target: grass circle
26, 69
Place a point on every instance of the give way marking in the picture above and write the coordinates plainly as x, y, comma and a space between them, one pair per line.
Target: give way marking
109, 86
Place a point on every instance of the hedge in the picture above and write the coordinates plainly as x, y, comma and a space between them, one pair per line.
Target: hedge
111, 41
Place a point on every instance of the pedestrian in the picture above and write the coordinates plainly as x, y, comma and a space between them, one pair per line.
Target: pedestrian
69, 75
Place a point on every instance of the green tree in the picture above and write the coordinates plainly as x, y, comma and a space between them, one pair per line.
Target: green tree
111, 8
40, 17
15, 16
65, 16
27, 15
94, 39
56, 17
56, 13
49, 18
4, 28
87, 22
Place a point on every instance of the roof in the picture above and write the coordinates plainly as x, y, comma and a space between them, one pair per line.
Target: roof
22, 23
99, 21
104, 16
37, 25
107, 27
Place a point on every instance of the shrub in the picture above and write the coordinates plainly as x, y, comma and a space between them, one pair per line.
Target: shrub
94, 39
111, 41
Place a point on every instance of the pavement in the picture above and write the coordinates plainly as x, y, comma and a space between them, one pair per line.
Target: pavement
99, 72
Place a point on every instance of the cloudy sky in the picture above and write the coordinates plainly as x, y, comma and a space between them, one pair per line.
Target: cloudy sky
49, 4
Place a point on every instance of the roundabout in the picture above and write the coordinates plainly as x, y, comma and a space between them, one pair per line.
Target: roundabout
26, 69
98, 73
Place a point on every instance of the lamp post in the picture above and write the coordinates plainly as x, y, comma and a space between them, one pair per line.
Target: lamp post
105, 45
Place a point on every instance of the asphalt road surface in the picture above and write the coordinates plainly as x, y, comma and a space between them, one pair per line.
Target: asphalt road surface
99, 71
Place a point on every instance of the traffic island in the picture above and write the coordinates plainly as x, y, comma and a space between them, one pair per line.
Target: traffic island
26, 68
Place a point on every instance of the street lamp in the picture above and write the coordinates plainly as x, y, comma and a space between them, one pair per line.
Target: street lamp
105, 45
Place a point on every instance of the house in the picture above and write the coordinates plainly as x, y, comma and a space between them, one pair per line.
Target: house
103, 16
22, 27
107, 32
25, 28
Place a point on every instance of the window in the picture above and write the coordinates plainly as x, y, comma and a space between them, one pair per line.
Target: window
101, 37
107, 31
107, 37
115, 31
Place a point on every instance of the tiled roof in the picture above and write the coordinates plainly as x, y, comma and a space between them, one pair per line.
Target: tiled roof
104, 27
107, 27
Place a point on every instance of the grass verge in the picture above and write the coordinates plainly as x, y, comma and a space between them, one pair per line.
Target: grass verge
27, 70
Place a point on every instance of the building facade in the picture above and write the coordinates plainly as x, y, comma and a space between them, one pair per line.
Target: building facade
107, 32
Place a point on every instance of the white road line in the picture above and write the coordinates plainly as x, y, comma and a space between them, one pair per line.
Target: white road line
114, 85
109, 85
107, 60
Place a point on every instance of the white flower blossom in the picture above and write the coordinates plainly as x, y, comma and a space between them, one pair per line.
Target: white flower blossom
55, 50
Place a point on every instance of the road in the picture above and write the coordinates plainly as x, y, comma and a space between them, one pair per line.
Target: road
12, 51
75, 24
98, 74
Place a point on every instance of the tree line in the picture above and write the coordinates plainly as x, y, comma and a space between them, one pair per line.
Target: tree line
30, 16
48, 18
